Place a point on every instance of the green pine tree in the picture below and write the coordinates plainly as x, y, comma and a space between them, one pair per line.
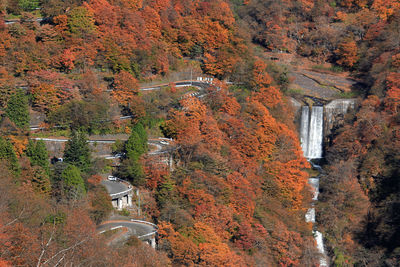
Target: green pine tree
137, 142
164, 193
77, 151
28, 5
7, 153
17, 109
81, 22
134, 147
41, 181
73, 184
38, 155
139, 129
132, 170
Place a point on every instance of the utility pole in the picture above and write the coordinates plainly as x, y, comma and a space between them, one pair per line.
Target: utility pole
191, 77
138, 194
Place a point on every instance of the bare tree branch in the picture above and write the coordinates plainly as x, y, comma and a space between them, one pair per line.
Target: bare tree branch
65, 250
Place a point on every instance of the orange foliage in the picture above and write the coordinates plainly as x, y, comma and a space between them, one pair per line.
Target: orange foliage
392, 100
45, 97
220, 62
61, 22
353, 3
156, 174
230, 106
5, 43
253, 139
67, 59
267, 94
20, 247
286, 246
396, 60
125, 88
260, 76
95, 179
347, 52
243, 197
19, 143
153, 22
172, 87
211, 251
265, 128
183, 249
4, 263
385, 8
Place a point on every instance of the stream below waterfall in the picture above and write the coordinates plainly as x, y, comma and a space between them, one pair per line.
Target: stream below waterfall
310, 217
311, 138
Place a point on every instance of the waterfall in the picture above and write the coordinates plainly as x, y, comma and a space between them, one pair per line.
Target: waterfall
311, 131
320, 246
315, 135
304, 125
310, 215
311, 138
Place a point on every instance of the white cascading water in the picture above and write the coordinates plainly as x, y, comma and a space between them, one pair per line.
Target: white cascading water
311, 131
310, 215
304, 127
323, 262
311, 138
315, 135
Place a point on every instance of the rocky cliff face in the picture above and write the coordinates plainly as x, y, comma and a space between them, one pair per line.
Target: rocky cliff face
334, 113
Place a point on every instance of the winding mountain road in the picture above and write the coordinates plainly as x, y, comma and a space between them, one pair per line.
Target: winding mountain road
12, 21
199, 85
140, 229
143, 230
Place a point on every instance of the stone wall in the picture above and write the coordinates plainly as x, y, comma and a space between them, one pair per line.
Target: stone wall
334, 113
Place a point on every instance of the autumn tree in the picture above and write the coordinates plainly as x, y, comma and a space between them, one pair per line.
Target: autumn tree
347, 53
392, 100
45, 97
101, 205
386, 9
125, 88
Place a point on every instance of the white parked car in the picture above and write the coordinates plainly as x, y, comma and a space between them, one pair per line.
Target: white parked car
164, 142
112, 178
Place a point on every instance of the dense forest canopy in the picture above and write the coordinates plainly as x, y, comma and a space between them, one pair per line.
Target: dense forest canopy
238, 191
